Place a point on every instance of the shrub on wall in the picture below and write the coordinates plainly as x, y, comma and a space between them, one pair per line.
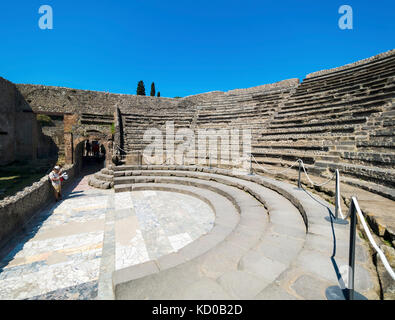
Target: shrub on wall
44, 120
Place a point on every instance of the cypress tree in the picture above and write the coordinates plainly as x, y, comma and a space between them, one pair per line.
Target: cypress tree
141, 88
158, 93
153, 89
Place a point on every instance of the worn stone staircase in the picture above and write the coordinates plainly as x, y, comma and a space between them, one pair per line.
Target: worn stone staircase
270, 241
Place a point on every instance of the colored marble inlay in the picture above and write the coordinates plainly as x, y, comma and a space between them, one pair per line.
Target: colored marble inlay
59, 255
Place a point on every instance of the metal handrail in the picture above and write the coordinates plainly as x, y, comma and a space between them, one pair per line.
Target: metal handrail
353, 211
355, 208
338, 208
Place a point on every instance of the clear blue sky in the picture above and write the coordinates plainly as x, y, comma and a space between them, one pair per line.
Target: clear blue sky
186, 47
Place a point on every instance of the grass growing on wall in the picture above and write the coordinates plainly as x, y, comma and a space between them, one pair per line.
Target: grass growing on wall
17, 176
44, 120
10, 185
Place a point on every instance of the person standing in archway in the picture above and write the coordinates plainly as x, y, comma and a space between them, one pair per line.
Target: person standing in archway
102, 151
87, 147
95, 149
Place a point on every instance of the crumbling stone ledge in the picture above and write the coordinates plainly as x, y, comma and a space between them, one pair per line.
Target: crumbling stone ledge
17, 210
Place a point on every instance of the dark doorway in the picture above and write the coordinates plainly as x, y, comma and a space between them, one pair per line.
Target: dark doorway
90, 156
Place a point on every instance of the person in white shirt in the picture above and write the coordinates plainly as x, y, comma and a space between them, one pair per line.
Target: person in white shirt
55, 177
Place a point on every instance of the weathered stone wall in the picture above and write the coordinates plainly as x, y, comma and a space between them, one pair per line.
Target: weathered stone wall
7, 122
60, 100
56, 131
20, 134
47, 99
258, 89
17, 210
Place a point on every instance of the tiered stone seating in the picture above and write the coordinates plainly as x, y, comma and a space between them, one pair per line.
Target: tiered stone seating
338, 120
241, 109
102, 179
250, 110
87, 118
272, 248
135, 125
335, 119
236, 109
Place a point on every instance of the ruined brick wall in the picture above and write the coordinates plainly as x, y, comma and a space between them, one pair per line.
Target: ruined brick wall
92, 112
61, 100
7, 122
47, 99
20, 134
55, 130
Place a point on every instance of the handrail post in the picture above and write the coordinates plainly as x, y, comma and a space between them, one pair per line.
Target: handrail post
351, 252
300, 170
337, 195
251, 173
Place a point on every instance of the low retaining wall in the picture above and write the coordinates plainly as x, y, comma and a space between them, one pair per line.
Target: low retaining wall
17, 210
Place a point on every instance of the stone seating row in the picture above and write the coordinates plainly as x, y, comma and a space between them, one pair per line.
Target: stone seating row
256, 259
324, 94
336, 91
378, 98
372, 68
349, 72
364, 81
285, 117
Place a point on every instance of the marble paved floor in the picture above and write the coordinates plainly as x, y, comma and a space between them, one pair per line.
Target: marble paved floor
59, 255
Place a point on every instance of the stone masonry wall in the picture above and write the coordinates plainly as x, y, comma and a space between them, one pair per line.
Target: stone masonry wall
72, 101
21, 137
17, 210
50, 99
7, 122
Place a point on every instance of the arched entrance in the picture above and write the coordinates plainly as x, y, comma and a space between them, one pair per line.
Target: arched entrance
91, 153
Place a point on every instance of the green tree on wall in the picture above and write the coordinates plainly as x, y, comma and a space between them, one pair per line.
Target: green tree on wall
153, 89
158, 93
141, 88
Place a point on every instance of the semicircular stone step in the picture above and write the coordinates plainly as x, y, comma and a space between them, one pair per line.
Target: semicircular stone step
222, 262
286, 263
